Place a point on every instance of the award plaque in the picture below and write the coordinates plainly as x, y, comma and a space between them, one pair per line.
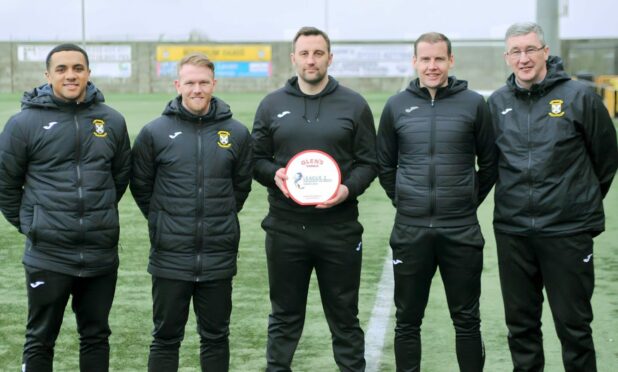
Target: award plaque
313, 177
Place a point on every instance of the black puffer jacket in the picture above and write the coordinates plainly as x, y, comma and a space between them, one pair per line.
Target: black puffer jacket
558, 156
191, 176
427, 150
63, 169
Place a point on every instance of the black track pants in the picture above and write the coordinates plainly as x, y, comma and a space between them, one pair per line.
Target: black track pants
212, 303
417, 253
48, 295
564, 266
293, 250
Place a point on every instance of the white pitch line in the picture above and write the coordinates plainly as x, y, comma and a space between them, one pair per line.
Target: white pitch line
380, 318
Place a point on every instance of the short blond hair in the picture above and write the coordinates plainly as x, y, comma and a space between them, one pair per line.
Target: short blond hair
197, 59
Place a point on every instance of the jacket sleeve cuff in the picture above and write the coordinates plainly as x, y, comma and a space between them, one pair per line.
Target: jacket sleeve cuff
352, 192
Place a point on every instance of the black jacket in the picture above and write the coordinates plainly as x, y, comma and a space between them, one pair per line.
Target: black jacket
63, 169
427, 149
337, 121
558, 156
191, 176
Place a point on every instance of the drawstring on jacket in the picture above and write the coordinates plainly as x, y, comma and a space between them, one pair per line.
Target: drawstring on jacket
317, 115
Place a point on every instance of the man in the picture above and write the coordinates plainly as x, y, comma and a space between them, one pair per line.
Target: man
191, 176
314, 112
429, 138
558, 157
64, 165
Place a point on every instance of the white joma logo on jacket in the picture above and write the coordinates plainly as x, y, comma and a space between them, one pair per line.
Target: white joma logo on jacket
50, 125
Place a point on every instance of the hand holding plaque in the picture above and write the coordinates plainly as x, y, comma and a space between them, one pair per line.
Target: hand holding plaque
313, 177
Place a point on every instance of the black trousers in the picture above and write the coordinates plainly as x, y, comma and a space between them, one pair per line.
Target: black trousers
212, 303
458, 252
48, 295
293, 250
564, 266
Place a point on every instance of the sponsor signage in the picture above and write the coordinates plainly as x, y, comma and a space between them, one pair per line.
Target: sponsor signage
231, 60
105, 60
372, 60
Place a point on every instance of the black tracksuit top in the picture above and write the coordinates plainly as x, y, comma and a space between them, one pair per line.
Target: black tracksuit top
191, 176
337, 121
427, 150
63, 169
558, 156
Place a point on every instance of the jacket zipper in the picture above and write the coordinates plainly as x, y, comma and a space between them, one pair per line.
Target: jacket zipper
432, 166
80, 190
200, 202
530, 178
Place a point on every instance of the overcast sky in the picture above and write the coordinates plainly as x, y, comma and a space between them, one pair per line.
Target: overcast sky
275, 20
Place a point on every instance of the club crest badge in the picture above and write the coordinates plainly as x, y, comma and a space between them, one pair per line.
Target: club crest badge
224, 139
99, 128
556, 108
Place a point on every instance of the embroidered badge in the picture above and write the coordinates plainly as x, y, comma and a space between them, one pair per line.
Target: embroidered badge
556, 108
224, 139
99, 128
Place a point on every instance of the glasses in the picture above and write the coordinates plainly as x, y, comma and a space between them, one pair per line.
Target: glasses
530, 52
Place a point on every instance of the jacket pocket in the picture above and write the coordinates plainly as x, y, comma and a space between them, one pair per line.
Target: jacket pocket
155, 229
33, 226
236, 229
475, 188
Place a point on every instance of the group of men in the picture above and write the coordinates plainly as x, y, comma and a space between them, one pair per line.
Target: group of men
546, 142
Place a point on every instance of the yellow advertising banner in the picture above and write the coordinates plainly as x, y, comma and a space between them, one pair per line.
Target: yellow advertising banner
217, 52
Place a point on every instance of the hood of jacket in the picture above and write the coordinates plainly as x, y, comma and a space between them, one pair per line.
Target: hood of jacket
555, 75
453, 86
43, 96
217, 111
292, 87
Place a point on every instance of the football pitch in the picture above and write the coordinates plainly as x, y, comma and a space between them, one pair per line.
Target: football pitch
131, 319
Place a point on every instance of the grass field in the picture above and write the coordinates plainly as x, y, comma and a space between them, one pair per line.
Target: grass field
131, 314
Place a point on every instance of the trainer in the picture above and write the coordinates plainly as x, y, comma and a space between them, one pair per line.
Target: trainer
313, 111
64, 165
191, 176
558, 157
431, 137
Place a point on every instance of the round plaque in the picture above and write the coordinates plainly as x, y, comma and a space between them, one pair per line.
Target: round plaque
313, 177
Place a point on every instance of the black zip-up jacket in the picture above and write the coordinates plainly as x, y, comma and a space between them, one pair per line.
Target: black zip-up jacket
191, 176
63, 169
337, 121
558, 156
427, 149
